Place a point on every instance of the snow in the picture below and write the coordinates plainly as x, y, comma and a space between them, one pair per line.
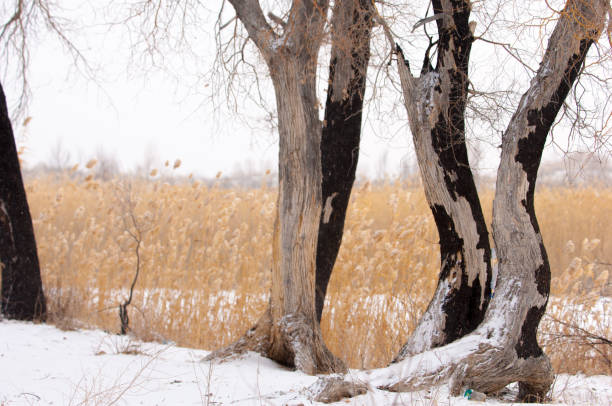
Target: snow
42, 365
429, 362
429, 81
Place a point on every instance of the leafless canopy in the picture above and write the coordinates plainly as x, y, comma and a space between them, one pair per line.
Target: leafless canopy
22, 23
513, 35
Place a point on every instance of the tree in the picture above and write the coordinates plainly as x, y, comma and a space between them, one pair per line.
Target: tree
351, 28
22, 293
437, 123
20, 22
503, 348
289, 331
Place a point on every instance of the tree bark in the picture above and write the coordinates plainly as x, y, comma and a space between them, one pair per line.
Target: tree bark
521, 251
289, 331
22, 292
504, 349
350, 54
435, 103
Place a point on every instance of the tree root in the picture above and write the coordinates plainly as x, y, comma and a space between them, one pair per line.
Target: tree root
304, 345
293, 342
335, 388
468, 363
256, 339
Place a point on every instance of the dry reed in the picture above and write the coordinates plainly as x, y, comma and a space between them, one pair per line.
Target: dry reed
206, 257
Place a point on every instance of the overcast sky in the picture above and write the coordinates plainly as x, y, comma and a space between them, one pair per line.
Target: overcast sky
135, 113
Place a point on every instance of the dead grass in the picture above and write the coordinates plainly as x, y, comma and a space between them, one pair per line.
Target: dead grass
206, 259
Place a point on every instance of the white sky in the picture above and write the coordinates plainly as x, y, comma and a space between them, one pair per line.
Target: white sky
166, 116
131, 112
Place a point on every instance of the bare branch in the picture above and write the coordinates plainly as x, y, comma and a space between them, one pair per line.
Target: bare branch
17, 34
277, 20
429, 19
250, 14
402, 63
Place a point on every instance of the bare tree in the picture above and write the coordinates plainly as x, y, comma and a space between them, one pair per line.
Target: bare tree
22, 293
289, 331
503, 348
136, 228
436, 105
20, 22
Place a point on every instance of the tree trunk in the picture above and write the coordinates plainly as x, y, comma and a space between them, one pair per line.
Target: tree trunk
289, 331
22, 293
521, 251
351, 26
296, 333
504, 349
435, 103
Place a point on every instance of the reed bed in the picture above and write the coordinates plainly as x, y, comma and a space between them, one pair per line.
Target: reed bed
204, 255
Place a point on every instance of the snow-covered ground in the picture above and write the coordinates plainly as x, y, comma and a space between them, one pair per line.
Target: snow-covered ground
41, 365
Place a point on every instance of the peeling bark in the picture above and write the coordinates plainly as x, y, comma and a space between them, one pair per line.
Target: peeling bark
22, 292
503, 349
289, 331
435, 103
351, 26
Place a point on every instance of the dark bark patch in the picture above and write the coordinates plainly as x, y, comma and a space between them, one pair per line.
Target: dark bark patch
542, 274
461, 306
463, 310
527, 345
450, 242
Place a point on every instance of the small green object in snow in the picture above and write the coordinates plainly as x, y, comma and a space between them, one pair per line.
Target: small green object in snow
473, 395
